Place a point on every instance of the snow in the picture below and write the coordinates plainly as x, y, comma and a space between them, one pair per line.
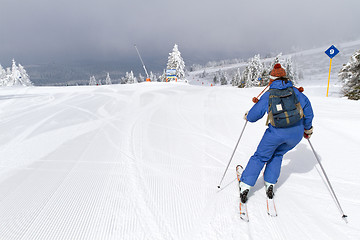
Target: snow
143, 161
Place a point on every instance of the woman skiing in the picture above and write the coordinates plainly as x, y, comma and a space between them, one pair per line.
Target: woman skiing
286, 127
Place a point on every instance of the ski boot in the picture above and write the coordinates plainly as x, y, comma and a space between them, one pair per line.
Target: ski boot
269, 190
244, 191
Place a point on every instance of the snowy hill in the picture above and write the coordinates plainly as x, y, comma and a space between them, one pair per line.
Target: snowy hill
313, 64
143, 161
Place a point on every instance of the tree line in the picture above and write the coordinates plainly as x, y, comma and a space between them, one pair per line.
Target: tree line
255, 73
15, 75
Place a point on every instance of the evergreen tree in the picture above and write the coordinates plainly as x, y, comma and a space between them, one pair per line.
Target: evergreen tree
216, 79
350, 77
253, 71
129, 78
3, 76
220, 77
2, 71
24, 77
290, 70
235, 81
265, 77
163, 76
8, 74
223, 78
275, 61
289, 66
14, 76
203, 74
126, 78
92, 81
123, 80
153, 77
175, 61
108, 79
141, 78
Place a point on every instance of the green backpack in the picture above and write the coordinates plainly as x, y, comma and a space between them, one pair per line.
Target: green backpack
284, 108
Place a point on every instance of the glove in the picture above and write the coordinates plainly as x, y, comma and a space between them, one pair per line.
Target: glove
245, 115
308, 133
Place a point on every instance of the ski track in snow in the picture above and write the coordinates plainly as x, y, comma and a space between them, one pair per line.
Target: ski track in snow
143, 162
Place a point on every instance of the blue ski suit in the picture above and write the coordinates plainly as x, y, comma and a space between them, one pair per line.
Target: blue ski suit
276, 141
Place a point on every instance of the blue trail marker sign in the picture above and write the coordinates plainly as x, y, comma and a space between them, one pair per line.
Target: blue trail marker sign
331, 52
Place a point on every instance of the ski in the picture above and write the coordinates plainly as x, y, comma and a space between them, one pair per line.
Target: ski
239, 170
270, 203
271, 209
244, 212
243, 208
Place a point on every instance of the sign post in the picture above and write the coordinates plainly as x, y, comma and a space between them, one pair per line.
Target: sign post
331, 52
171, 74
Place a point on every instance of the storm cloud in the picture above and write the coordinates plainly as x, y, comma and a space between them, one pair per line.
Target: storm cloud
34, 31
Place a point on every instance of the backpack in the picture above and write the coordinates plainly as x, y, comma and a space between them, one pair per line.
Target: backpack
284, 108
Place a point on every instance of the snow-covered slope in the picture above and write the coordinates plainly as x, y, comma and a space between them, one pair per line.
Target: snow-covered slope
143, 161
313, 64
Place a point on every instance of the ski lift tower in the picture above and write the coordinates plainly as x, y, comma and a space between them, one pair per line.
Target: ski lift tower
142, 62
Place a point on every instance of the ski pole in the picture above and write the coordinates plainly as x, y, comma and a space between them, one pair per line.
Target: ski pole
328, 181
255, 100
233, 153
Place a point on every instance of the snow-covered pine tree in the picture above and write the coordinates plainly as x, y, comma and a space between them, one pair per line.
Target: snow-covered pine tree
290, 70
175, 61
243, 78
203, 74
8, 74
3, 76
265, 77
253, 72
162, 78
275, 61
216, 79
350, 77
141, 78
126, 78
223, 78
289, 66
24, 77
153, 77
15, 76
130, 78
108, 79
92, 81
220, 77
235, 81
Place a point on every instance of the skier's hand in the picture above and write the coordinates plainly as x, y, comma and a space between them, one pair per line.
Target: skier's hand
245, 115
308, 133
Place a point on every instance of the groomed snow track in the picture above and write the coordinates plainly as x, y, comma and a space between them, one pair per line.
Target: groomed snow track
143, 161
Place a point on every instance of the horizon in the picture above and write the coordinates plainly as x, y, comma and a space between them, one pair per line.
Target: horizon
57, 73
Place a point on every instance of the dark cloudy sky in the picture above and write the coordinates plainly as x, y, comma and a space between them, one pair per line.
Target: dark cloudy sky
40, 31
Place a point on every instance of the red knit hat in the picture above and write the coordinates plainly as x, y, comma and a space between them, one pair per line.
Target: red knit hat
277, 72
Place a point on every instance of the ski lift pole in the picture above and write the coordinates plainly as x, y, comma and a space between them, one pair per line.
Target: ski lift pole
328, 182
142, 62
